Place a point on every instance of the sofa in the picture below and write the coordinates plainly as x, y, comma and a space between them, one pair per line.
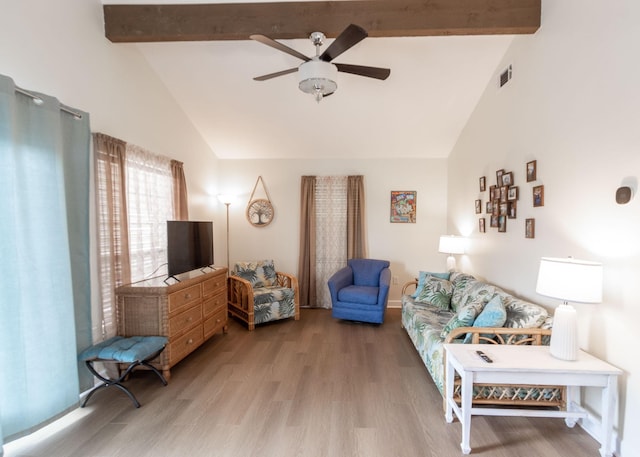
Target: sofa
458, 308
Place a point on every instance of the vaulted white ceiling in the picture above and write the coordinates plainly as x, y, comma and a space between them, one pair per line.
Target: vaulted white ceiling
418, 112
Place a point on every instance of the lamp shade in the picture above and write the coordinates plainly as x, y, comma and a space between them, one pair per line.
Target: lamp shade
450, 244
570, 280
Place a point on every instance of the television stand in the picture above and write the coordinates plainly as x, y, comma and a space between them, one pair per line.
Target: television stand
188, 312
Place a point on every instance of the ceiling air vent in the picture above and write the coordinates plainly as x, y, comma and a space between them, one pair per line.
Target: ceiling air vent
505, 76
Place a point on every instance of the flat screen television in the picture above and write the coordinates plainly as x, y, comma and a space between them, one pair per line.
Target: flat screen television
189, 246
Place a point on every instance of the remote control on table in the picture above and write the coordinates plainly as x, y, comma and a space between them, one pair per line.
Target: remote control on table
484, 357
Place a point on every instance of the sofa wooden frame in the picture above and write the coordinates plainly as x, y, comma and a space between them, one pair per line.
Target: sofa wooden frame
240, 297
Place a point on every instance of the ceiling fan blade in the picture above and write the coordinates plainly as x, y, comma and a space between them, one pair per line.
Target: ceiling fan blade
279, 46
276, 74
349, 37
360, 70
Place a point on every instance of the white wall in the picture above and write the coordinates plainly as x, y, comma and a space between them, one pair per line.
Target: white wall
59, 48
574, 106
409, 247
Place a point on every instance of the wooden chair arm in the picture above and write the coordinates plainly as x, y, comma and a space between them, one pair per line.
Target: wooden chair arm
240, 293
286, 280
407, 285
503, 335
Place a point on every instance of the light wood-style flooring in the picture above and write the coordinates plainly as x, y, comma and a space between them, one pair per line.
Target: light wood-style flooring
313, 388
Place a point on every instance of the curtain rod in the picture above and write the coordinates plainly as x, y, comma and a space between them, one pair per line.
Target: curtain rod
38, 101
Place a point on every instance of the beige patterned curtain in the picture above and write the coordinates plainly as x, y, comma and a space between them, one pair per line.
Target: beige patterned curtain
356, 235
180, 207
332, 229
307, 260
113, 236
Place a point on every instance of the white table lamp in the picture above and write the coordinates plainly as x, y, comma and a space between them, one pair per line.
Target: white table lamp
450, 244
568, 280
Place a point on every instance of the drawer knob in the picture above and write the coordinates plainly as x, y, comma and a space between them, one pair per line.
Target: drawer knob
187, 296
217, 321
190, 319
190, 341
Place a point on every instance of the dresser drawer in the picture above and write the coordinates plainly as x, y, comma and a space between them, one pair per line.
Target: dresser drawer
215, 322
213, 304
184, 297
214, 285
184, 345
185, 320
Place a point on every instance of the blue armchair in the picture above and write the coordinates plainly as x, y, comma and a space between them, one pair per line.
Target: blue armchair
359, 291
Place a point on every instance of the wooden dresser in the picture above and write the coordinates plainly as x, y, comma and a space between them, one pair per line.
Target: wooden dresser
188, 312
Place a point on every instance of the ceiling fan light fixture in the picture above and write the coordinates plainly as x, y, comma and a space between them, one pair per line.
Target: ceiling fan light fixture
317, 78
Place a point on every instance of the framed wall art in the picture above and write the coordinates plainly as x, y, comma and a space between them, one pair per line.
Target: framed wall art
507, 179
482, 228
483, 184
478, 206
538, 196
403, 206
530, 228
512, 193
532, 171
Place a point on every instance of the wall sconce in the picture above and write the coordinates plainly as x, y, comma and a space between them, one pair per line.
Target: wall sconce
568, 280
450, 244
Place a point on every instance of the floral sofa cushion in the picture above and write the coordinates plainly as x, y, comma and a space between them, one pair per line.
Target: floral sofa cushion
435, 291
273, 303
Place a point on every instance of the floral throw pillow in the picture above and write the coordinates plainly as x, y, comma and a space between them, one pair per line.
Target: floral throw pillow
422, 278
436, 292
464, 317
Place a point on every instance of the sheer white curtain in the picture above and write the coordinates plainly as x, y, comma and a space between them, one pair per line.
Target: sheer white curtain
149, 185
44, 252
331, 231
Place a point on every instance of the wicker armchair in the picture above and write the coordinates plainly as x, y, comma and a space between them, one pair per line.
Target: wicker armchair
257, 293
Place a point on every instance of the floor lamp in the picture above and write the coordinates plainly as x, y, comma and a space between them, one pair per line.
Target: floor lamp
227, 201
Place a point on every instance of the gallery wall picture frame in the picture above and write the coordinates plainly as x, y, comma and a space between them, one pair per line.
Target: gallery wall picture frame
499, 174
502, 224
512, 210
493, 222
403, 206
538, 196
507, 179
478, 206
482, 227
483, 183
504, 190
512, 193
489, 207
532, 170
530, 228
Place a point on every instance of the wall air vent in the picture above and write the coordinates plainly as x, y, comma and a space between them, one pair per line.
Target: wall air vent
505, 76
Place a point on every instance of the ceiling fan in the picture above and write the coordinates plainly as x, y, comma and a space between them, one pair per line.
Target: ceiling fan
317, 74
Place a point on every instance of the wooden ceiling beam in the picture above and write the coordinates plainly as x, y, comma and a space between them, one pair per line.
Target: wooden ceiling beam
285, 20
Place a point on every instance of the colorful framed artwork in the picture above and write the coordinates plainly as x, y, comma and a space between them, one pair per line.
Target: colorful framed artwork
403, 206
483, 184
530, 228
532, 170
538, 196
482, 228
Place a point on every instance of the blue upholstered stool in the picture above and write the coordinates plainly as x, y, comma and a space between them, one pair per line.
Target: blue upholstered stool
135, 350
